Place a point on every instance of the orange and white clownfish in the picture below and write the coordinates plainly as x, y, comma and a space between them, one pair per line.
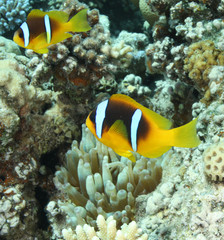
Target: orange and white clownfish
126, 126
43, 29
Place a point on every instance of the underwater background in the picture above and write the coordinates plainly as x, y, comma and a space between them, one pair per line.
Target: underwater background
56, 180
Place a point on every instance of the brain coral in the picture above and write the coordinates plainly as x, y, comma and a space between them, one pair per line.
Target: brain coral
214, 161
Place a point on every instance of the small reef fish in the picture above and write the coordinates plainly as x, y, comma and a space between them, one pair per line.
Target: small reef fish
126, 126
43, 29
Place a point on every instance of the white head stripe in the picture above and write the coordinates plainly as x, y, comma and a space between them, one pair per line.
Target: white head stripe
26, 33
47, 27
134, 128
100, 116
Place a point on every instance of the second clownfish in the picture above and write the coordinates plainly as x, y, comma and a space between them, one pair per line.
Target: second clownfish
126, 126
43, 29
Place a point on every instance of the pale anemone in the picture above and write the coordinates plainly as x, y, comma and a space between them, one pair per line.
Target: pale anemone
99, 182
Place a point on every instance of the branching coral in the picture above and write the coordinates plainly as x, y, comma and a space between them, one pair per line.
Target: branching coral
127, 52
99, 182
158, 55
12, 13
87, 58
78, 59
107, 230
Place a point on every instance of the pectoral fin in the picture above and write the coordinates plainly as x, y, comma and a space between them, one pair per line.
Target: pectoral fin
127, 154
119, 128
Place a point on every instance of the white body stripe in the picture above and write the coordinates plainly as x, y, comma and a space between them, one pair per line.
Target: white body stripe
47, 27
100, 116
134, 128
26, 33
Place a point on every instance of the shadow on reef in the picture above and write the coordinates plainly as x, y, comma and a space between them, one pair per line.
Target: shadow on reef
43, 198
123, 14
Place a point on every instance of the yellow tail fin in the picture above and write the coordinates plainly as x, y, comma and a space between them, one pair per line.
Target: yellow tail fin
79, 22
186, 135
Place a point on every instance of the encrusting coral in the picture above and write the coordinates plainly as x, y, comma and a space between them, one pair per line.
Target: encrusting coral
201, 57
97, 182
107, 230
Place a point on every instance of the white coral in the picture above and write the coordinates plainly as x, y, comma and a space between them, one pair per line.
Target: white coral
107, 231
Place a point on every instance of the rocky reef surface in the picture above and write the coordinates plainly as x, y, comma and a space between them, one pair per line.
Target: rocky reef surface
56, 180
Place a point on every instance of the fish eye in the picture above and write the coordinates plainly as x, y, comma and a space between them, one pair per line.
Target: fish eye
21, 35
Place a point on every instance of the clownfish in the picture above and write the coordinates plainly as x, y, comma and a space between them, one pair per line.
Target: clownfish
126, 126
43, 29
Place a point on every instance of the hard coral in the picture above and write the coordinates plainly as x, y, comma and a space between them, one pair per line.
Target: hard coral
12, 13
185, 9
12, 205
25, 107
214, 162
99, 182
158, 55
131, 85
81, 56
149, 12
201, 57
107, 230
76, 64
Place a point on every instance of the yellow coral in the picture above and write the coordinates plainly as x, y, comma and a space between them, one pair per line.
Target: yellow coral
201, 57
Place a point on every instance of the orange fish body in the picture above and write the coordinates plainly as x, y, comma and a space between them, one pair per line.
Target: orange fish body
126, 126
43, 29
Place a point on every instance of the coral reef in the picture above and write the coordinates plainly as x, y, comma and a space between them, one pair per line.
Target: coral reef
33, 122
84, 49
201, 34
172, 64
99, 182
185, 197
91, 62
27, 104
77, 63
